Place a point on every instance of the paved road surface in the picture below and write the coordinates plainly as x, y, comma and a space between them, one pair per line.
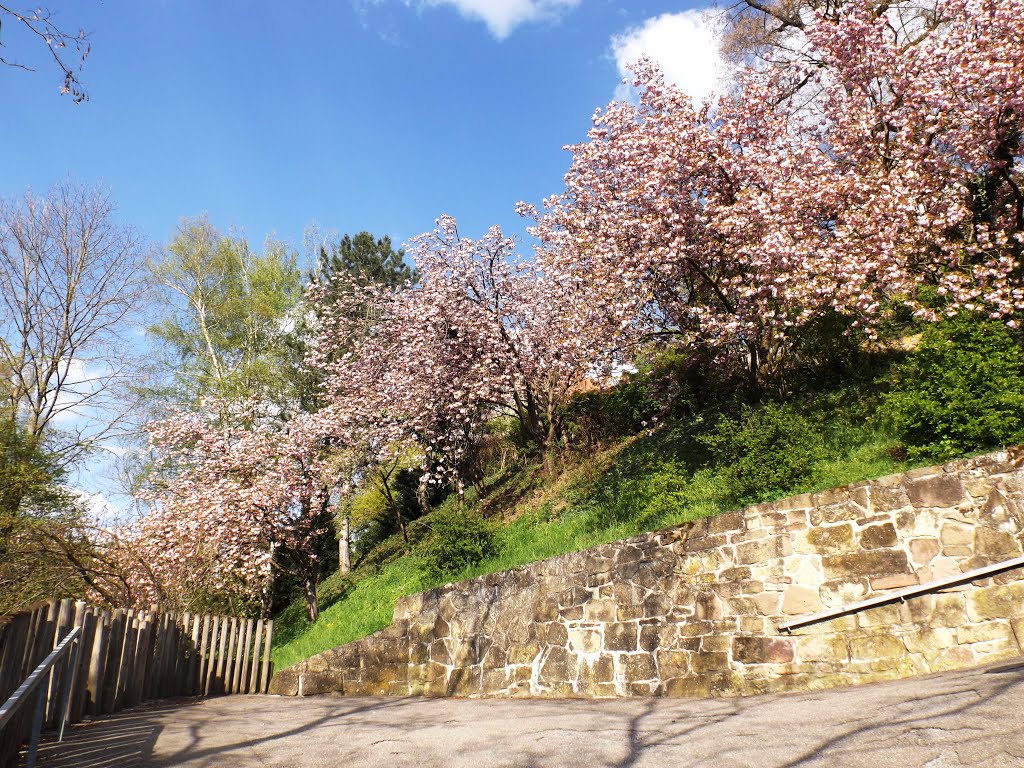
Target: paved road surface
973, 718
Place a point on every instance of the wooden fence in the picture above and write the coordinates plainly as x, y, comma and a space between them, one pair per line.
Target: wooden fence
127, 657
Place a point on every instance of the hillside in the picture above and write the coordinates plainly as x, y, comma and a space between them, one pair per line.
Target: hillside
955, 391
675, 472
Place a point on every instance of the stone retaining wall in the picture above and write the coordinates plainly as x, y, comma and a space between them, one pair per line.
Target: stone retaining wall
694, 610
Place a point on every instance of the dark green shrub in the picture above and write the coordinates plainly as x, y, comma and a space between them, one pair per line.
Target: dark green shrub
962, 391
599, 415
458, 539
767, 452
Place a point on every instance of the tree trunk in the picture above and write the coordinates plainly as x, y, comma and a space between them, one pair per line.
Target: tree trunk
344, 552
422, 489
309, 583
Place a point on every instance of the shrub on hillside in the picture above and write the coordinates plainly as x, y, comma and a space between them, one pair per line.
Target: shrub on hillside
458, 540
765, 453
962, 391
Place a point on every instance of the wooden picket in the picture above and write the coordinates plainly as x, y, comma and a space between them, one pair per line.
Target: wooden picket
126, 657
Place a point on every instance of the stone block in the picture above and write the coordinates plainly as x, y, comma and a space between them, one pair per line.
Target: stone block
999, 602
439, 652
884, 616
687, 687
825, 540
752, 624
929, 639
602, 669
987, 630
522, 653
727, 522
702, 663
945, 567
285, 682
766, 603
707, 606
584, 640
924, 550
545, 609
556, 634
715, 643
891, 497
875, 647
798, 600
956, 534
657, 605
621, 637
650, 637
957, 657
673, 664
950, 610
638, 666
599, 611
995, 545
762, 550
408, 607
737, 573
556, 666
494, 658
936, 491
894, 581
878, 562
840, 592
762, 650
878, 536
959, 552
826, 648
419, 653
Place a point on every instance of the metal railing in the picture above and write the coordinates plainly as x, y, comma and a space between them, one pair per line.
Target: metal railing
66, 651
901, 595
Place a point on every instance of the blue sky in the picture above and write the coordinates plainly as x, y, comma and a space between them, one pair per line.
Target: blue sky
357, 114
362, 114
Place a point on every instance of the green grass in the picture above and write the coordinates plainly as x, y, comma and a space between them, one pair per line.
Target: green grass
643, 483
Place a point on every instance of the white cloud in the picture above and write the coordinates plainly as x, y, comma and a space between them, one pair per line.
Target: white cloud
500, 16
684, 45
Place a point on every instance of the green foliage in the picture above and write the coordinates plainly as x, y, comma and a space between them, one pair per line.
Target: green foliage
223, 312
696, 463
31, 479
459, 539
367, 260
766, 452
962, 391
600, 415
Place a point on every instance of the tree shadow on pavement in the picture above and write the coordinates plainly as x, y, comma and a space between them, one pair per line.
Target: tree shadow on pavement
124, 740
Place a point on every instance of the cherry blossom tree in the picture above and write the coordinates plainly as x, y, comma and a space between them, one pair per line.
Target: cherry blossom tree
236, 496
737, 224
484, 332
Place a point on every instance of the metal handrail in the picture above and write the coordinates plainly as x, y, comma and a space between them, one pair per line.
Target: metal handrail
66, 647
902, 594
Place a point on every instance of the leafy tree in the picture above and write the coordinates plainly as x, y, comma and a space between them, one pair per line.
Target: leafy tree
225, 312
765, 453
961, 391
365, 259
837, 185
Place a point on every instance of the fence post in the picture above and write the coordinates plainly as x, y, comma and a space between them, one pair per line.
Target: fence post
254, 676
98, 662
266, 656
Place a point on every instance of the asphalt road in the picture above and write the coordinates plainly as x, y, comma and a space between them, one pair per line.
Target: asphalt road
972, 718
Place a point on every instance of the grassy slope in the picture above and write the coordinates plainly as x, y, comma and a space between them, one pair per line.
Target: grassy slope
642, 483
